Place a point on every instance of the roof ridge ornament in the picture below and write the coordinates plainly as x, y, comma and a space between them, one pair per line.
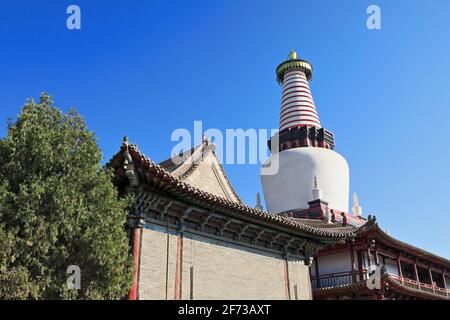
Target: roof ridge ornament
328, 218
128, 165
371, 220
206, 139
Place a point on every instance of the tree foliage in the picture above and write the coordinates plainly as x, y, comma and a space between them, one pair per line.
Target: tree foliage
58, 208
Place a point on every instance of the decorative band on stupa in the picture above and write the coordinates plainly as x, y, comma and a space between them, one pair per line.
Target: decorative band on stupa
297, 104
299, 121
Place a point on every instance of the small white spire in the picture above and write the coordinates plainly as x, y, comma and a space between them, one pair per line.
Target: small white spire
317, 192
258, 202
357, 209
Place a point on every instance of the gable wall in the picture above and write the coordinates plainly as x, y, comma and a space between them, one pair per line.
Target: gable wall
209, 177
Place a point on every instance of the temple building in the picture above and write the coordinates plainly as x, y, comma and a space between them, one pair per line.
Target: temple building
192, 237
341, 271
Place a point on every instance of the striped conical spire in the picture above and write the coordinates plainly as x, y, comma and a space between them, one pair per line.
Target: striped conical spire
297, 104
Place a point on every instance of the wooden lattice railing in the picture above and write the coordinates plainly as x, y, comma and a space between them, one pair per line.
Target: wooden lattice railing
432, 288
345, 278
332, 280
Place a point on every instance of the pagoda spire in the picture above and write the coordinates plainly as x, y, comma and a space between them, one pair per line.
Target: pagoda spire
303, 159
297, 104
299, 121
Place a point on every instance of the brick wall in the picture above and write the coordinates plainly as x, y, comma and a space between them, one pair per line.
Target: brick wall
215, 269
157, 268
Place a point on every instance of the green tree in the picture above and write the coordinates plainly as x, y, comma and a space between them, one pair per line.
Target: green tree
58, 208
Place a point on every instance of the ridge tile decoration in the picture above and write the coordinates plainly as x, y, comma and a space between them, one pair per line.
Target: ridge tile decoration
160, 179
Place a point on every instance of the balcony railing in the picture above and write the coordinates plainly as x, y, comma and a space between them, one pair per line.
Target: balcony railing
345, 278
432, 288
332, 280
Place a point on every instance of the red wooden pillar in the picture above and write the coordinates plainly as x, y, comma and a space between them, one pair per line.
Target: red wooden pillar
399, 267
311, 274
445, 283
316, 266
380, 295
360, 265
431, 279
376, 257
352, 256
369, 260
135, 247
416, 274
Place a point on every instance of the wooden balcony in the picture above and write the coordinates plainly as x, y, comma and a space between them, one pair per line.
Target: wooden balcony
340, 279
432, 288
332, 280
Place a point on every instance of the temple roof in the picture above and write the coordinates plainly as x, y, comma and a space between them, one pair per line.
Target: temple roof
201, 168
372, 230
169, 179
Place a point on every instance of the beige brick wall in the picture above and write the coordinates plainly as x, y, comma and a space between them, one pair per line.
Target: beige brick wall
221, 270
227, 271
153, 266
299, 280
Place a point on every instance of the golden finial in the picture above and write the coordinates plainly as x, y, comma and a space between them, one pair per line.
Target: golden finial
293, 55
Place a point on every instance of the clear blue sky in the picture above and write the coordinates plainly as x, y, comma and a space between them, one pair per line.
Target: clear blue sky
145, 68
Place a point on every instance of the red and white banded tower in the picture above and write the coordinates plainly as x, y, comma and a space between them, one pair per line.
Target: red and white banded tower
299, 121
302, 151
297, 104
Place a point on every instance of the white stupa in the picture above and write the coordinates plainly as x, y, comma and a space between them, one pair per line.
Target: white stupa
302, 151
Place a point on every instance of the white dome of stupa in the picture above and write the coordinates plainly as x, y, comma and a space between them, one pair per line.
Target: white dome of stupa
290, 187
